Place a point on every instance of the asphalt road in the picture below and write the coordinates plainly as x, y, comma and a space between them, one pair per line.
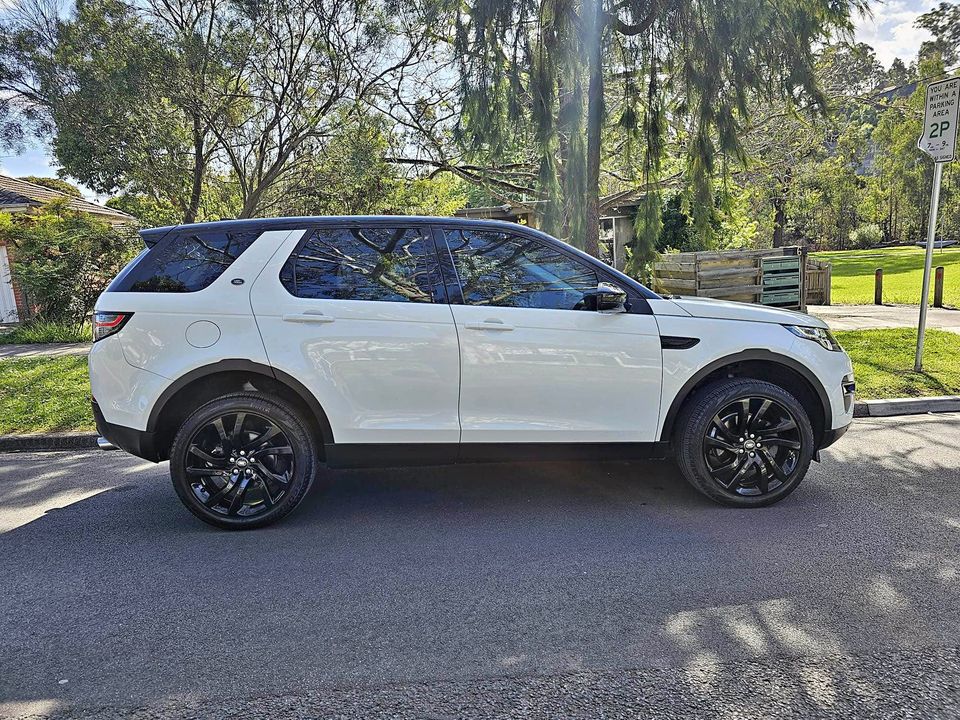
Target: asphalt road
559, 590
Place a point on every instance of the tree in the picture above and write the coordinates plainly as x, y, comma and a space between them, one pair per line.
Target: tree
186, 104
114, 87
348, 174
540, 74
943, 22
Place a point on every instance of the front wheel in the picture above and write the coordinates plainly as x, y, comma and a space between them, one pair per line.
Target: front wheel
744, 442
242, 461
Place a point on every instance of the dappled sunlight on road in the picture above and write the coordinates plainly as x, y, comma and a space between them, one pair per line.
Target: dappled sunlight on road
26, 495
904, 585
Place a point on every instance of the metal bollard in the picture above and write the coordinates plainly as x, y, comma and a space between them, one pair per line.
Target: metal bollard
878, 287
938, 287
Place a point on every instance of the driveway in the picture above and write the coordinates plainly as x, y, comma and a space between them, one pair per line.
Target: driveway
869, 317
550, 591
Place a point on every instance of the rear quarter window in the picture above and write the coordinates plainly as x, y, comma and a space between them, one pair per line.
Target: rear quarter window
184, 261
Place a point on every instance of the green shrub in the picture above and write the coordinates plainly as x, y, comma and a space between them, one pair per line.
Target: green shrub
63, 259
866, 236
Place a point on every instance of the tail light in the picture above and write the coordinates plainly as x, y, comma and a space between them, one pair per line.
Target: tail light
106, 324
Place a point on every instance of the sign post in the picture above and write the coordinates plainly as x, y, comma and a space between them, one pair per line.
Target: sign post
938, 140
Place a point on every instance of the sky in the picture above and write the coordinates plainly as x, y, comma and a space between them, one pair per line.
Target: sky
890, 31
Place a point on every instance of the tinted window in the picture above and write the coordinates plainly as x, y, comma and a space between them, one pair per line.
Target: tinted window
384, 264
186, 262
513, 271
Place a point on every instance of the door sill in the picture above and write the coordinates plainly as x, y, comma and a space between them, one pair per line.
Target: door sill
360, 455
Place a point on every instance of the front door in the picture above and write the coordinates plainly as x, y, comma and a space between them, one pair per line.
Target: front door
358, 314
536, 366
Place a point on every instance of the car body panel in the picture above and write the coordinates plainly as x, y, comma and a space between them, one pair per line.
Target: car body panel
384, 372
536, 375
701, 307
126, 394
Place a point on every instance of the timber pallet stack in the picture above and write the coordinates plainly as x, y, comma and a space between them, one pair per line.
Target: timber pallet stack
768, 277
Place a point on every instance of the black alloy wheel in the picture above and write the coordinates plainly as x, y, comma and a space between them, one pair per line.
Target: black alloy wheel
752, 446
240, 464
243, 460
744, 442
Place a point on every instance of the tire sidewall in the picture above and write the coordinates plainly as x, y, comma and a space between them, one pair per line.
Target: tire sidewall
296, 431
696, 422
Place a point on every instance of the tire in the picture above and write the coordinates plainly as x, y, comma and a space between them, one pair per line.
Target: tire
243, 478
744, 455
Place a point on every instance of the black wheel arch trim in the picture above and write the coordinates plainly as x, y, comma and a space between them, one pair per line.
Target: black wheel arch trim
746, 356
240, 365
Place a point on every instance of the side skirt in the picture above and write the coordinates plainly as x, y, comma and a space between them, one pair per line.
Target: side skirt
362, 455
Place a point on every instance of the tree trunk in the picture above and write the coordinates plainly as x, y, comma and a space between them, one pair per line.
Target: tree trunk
780, 210
594, 127
190, 214
779, 221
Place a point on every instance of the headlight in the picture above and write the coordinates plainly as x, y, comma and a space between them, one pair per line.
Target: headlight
818, 335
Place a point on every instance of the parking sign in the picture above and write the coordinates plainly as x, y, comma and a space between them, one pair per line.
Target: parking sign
940, 120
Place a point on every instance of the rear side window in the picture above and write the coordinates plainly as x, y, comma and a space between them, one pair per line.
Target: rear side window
371, 263
185, 262
498, 268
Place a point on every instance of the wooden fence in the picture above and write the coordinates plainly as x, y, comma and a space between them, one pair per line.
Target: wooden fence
770, 277
817, 282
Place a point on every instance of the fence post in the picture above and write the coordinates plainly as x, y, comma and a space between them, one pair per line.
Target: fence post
938, 288
878, 287
828, 282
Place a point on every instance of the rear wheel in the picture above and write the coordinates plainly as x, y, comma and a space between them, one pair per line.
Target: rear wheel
243, 461
745, 443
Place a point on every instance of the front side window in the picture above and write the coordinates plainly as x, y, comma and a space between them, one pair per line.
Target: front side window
506, 270
365, 263
187, 262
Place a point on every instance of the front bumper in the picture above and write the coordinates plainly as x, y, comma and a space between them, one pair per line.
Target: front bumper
136, 442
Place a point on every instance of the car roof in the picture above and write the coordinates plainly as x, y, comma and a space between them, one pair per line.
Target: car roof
151, 235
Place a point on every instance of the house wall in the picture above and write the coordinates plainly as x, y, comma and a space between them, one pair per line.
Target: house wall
7, 279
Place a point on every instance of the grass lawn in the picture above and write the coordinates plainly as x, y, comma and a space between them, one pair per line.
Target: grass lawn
883, 362
42, 331
44, 395
902, 274
52, 394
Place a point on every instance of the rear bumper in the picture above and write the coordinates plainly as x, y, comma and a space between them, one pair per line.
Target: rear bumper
136, 442
831, 436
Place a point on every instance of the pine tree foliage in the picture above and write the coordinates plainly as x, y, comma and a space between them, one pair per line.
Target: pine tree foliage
538, 78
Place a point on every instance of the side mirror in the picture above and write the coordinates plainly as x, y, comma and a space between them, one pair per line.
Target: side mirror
606, 298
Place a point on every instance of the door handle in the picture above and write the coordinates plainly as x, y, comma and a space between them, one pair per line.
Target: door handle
489, 325
307, 317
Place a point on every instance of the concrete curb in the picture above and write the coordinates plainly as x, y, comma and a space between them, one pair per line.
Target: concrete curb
48, 441
907, 406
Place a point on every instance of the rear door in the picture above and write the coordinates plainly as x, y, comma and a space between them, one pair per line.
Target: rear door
358, 314
537, 367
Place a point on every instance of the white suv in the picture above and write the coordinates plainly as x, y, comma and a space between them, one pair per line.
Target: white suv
252, 353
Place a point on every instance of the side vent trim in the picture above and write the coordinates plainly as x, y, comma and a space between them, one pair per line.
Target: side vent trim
673, 342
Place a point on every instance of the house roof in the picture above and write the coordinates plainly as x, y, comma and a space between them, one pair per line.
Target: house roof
16, 195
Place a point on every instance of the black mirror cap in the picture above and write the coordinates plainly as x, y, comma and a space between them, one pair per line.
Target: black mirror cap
611, 298
606, 297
